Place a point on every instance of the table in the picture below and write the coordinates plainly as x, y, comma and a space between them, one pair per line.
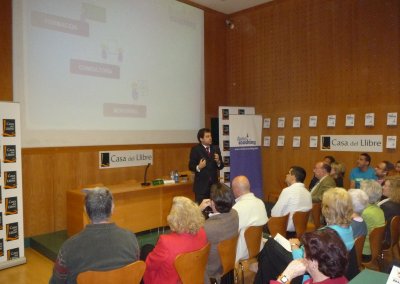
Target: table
368, 276
137, 208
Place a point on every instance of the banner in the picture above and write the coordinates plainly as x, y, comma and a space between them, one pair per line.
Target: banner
245, 150
224, 143
129, 158
11, 203
352, 143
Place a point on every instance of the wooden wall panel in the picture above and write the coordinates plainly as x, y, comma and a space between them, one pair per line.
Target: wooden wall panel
6, 51
49, 172
300, 58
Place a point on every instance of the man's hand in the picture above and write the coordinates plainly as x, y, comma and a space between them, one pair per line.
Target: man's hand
202, 163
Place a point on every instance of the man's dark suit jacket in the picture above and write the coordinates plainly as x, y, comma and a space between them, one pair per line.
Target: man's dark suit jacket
209, 174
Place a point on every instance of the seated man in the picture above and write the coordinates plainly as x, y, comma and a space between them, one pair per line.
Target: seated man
382, 170
251, 211
325, 181
222, 224
293, 198
101, 245
362, 171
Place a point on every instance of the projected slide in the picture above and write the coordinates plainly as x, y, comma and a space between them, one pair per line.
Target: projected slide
123, 65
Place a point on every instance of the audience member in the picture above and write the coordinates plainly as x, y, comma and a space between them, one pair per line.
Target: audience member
327, 160
382, 170
101, 245
222, 224
397, 168
325, 259
293, 198
360, 201
205, 160
337, 173
372, 214
362, 171
391, 207
337, 210
251, 211
325, 181
186, 222
386, 189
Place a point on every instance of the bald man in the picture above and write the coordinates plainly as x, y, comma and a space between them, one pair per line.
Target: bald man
251, 211
325, 181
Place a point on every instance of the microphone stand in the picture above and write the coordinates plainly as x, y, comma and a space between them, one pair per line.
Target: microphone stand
145, 183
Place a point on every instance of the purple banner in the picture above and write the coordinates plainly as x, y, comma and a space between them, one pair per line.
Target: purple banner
247, 161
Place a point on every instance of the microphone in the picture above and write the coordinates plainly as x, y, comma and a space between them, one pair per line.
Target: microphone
145, 183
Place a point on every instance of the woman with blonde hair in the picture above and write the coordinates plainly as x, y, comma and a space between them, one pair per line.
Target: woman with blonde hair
337, 173
186, 222
337, 209
391, 205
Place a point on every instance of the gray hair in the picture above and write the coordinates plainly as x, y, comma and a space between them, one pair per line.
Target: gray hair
98, 204
373, 189
359, 199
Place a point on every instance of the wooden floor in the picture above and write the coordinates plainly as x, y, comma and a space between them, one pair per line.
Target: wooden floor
37, 269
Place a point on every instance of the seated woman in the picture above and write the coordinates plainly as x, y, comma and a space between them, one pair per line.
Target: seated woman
360, 200
372, 214
222, 224
391, 205
325, 259
337, 210
337, 172
186, 223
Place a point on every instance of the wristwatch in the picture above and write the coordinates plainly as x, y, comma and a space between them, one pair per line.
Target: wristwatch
283, 279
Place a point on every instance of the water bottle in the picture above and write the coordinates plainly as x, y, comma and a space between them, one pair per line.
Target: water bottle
176, 176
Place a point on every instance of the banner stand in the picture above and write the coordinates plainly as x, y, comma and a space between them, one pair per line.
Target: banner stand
12, 250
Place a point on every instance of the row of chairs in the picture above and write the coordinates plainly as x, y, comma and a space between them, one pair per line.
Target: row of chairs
378, 254
194, 274
190, 266
279, 224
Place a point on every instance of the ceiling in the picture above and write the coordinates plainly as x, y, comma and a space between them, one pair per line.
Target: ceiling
229, 6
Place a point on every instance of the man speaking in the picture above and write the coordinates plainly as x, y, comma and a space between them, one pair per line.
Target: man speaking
205, 161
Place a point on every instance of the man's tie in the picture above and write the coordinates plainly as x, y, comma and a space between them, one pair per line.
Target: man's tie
208, 151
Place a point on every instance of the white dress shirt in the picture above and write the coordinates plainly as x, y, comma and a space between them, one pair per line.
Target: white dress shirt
252, 212
292, 198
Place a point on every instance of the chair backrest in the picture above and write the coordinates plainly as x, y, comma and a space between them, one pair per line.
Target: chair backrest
375, 241
227, 253
300, 220
192, 265
131, 273
253, 236
394, 231
316, 214
359, 244
278, 225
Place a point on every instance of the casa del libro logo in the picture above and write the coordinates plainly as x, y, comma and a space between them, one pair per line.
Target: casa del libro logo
246, 141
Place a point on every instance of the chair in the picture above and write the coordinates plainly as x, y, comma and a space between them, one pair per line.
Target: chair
192, 265
278, 225
300, 220
227, 254
131, 273
253, 236
359, 245
394, 238
375, 241
316, 215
